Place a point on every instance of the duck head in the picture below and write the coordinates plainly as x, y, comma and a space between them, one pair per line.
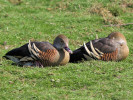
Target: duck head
121, 43
61, 42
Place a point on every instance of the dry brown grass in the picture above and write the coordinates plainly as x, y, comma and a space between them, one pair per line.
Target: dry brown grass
127, 4
108, 17
15, 2
61, 5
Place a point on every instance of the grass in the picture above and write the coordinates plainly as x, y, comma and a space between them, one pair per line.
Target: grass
80, 21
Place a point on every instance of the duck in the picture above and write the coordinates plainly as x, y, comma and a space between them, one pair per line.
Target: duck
41, 54
111, 48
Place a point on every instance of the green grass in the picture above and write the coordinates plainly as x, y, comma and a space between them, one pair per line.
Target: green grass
80, 21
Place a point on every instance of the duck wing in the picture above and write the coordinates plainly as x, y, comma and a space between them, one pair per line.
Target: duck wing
104, 47
23, 54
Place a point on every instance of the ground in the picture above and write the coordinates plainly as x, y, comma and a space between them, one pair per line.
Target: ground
80, 21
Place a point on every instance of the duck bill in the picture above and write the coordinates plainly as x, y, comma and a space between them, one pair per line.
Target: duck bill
68, 50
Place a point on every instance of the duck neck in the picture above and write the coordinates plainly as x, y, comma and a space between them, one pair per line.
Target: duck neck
64, 56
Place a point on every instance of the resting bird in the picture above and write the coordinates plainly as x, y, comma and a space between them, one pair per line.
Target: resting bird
41, 53
111, 48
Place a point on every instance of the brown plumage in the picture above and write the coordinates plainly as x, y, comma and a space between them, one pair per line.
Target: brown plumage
112, 48
41, 53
